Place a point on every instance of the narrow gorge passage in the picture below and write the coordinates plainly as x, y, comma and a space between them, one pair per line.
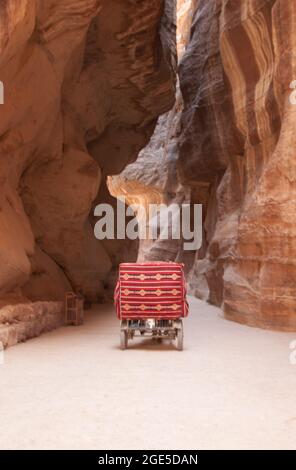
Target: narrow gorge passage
186, 102
148, 102
83, 392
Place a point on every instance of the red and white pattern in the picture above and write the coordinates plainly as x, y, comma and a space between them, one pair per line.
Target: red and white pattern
151, 290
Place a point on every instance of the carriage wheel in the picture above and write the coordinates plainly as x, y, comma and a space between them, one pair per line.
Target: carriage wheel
123, 339
180, 337
123, 336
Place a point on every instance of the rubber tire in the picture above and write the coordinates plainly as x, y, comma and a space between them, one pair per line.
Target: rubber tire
123, 339
180, 337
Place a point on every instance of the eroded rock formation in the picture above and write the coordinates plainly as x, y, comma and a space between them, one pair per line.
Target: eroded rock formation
84, 84
237, 153
234, 149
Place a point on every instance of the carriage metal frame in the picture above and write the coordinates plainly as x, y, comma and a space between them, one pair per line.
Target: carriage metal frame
155, 328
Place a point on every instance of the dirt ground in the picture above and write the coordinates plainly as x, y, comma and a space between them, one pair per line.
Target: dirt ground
232, 387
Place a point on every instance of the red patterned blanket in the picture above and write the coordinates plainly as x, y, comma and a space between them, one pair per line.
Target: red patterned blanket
151, 290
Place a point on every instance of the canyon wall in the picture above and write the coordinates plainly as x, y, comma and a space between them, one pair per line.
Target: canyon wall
84, 84
229, 144
237, 154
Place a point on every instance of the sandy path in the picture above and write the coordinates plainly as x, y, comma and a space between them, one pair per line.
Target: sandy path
232, 387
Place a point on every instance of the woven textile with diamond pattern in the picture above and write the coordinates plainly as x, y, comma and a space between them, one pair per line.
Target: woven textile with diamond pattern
151, 290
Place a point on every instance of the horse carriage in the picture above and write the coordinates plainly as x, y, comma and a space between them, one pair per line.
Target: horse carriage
150, 300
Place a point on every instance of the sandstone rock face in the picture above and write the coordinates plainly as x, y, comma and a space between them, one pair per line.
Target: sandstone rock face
85, 81
237, 153
25, 321
185, 12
